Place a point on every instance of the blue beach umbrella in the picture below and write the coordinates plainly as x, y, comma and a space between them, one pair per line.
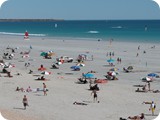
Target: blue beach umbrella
88, 75
153, 75
110, 60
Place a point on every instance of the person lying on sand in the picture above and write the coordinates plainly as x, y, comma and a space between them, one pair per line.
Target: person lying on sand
79, 103
54, 66
138, 90
41, 78
138, 85
92, 71
122, 118
156, 91
20, 89
29, 89
82, 80
137, 117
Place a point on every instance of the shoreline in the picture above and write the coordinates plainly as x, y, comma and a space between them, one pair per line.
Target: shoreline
20, 37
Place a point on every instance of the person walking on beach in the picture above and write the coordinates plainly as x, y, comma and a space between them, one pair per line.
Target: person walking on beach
95, 97
25, 102
44, 89
137, 55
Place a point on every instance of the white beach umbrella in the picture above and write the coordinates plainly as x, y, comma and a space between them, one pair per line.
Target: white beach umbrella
114, 73
148, 79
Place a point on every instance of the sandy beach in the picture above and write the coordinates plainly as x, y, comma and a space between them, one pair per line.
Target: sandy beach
117, 98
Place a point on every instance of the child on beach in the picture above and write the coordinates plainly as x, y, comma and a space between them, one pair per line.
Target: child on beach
44, 89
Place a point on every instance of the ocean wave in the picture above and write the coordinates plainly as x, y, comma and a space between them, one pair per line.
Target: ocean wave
21, 34
93, 32
117, 27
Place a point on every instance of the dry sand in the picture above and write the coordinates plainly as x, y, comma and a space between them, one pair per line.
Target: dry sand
117, 98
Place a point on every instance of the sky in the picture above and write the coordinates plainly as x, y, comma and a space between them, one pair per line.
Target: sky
80, 9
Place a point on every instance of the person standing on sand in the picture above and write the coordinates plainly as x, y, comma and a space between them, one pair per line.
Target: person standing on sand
152, 107
95, 97
149, 86
25, 102
44, 89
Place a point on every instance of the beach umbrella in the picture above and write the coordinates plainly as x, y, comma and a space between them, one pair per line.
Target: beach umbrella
88, 75
43, 54
147, 79
110, 60
153, 75
114, 69
113, 73
51, 54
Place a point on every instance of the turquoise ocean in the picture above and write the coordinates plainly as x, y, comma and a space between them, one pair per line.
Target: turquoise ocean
118, 30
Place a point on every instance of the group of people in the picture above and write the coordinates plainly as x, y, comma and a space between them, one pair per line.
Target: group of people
25, 99
144, 88
119, 60
141, 116
110, 54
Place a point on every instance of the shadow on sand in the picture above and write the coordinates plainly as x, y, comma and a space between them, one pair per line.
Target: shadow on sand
19, 108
